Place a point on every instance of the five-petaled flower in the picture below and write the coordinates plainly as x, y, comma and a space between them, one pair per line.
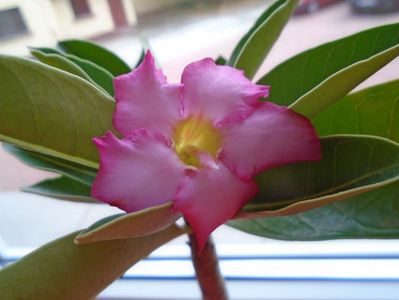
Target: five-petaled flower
198, 143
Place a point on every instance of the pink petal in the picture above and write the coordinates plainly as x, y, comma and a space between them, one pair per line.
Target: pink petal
208, 197
271, 136
145, 100
138, 172
220, 93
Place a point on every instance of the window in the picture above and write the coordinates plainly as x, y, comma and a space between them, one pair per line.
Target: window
81, 8
11, 23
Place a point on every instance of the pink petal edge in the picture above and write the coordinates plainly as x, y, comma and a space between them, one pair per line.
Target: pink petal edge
270, 137
138, 172
145, 100
210, 196
219, 93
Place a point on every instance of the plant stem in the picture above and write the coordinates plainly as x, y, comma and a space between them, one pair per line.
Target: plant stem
207, 270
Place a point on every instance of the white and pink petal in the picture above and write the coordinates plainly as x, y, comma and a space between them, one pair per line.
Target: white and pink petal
145, 100
219, 93
270, 137
210, 196
138, 172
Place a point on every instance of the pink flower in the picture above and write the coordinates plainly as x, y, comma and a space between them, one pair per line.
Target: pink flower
198, 143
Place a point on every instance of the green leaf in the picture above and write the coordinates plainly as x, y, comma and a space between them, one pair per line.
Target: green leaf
60, 62
51, 112
350, 165
63, 188
96, 54
264, 16
98, 74
315, 79
45, 50
373, 111
120, 226
62, 270
221, 61
374, 214
41, 161
370, 215
74, 186
75, 65
254, 46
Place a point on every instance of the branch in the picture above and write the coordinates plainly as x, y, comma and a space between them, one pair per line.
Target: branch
207, 270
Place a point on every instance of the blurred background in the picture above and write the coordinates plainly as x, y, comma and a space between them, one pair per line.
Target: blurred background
178, 32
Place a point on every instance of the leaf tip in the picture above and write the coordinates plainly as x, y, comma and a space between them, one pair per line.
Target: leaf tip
81, 239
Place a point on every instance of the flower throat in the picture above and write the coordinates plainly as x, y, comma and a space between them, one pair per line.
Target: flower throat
193, 136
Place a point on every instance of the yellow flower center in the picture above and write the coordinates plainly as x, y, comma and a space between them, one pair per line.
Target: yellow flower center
194, 136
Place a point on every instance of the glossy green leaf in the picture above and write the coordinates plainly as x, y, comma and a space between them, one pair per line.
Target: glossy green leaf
373, 214
46, 50
75, 65
96, 54
254, 46
120, 226
41, 161
62, 188
51, 112
341, 84
373, 111
315, 79
62, 270
60, 62
351, 165
264, 16
370, 215
98, 74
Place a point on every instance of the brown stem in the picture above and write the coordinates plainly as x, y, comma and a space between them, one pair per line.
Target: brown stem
207, 270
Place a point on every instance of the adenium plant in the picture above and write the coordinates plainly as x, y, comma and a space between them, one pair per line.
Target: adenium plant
215, 148
192, 143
